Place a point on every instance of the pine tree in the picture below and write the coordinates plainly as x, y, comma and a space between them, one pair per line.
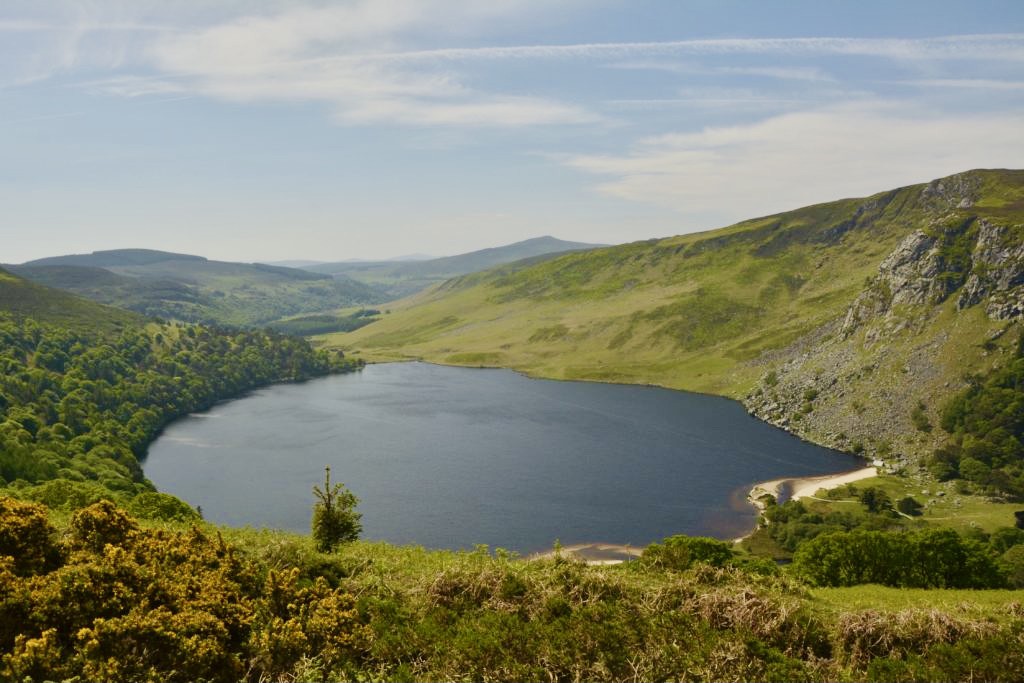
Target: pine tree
335, 519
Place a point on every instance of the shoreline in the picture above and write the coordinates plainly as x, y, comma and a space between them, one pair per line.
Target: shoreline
802, 487
592, 554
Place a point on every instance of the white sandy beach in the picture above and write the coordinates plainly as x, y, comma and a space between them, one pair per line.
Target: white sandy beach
802, 488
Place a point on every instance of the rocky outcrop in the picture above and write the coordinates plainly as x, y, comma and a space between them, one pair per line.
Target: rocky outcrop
913, 274
997, 273
982, 260
958, 191
853, 383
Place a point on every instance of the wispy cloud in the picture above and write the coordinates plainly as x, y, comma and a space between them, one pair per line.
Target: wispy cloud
367, 61
346, 56
797, 73
343, 55
134, 86
1008, 46
968, 83
795, 159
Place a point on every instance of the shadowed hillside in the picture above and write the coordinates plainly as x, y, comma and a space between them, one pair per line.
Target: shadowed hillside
195, 289
24, 299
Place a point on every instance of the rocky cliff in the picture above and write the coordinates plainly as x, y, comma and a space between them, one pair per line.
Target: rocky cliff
941, 305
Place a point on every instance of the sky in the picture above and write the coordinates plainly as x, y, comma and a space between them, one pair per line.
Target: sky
263, 130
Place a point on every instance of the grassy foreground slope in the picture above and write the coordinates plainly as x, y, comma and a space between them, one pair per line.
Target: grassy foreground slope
833, 320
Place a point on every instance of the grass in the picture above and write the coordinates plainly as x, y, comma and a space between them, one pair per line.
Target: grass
975, 604
944, 507
378, 565
22, 298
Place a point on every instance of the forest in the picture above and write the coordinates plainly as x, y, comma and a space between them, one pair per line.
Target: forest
79, 408
986, 427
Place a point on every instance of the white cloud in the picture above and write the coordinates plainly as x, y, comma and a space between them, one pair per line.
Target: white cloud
340, 54
794, 159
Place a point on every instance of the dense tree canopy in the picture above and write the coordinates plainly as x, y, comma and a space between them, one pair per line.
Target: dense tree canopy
933, 558
78, 409
986, 424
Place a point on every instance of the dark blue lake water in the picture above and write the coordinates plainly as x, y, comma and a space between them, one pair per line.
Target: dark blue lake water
451, 457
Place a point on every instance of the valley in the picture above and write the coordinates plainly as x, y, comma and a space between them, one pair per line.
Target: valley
886, 326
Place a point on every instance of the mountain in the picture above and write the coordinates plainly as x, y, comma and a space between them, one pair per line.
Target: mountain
196, 289
114, 257
300, 263
835, 321
407, 276
24, 299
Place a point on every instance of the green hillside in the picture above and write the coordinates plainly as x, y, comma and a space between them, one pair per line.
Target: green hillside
402, 278
195, 289
834, 320
24, 299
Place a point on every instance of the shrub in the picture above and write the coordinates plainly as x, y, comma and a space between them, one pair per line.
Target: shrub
1012, 565
681, 552
163, 507
920, 418
909, 506
926, 559
100, 524
26, 536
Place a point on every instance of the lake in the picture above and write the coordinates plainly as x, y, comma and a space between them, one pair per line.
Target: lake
450, 457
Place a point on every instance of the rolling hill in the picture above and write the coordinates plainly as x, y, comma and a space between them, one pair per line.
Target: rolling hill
834, 321
23, 299
196, 289
405, 277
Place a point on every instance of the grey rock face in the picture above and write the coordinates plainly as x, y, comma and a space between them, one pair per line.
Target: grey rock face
955, 192
998, 270
908, 275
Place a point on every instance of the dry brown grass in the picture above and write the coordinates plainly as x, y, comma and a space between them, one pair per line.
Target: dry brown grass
862, 636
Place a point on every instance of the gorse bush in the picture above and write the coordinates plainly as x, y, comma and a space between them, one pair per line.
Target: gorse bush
121, 603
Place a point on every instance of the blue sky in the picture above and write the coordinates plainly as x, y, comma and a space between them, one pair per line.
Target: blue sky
371, 128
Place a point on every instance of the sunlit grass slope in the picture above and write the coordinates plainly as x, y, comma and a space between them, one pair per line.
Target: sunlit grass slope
688, 312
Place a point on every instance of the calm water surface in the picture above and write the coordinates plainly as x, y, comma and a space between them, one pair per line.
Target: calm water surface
451, 457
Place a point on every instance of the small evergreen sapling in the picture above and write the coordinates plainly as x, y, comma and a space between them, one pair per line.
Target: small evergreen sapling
335, 519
